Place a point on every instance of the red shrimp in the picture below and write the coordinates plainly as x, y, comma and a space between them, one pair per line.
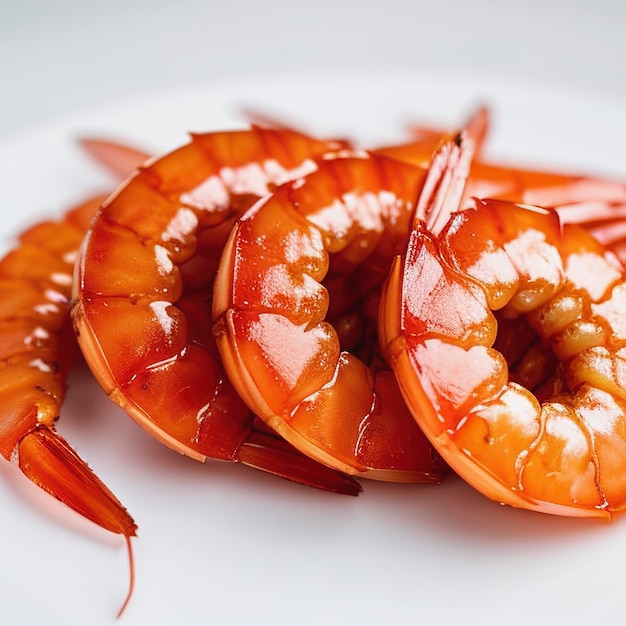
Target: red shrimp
37, 347
143, 291
505, 329
295, 309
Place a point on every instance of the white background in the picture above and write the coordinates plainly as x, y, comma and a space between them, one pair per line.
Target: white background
60, 56
226, 545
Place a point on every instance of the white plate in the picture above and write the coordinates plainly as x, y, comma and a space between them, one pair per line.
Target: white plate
223, 544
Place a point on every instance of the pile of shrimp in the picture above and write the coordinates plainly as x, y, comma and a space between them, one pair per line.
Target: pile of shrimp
328, 314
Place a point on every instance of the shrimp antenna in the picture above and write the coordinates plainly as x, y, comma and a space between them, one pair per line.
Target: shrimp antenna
131, 586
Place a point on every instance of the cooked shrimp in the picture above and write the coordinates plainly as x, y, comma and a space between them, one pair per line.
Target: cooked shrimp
142, 300
504, 329
295, 309
37, 347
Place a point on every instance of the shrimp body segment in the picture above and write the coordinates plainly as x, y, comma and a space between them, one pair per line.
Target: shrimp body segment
505, 330
143, 292
295, 312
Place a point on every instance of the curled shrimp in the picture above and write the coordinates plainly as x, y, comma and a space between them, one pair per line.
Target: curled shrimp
295, 308
505, 329
37, 347
143, 294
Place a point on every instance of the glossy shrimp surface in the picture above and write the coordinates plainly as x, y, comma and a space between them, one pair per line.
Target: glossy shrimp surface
505, 330
295, 309
143, 293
